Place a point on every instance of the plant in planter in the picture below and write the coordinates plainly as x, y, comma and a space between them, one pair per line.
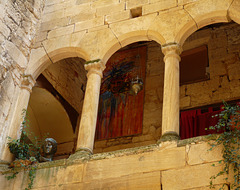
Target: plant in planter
229, 120
26, 152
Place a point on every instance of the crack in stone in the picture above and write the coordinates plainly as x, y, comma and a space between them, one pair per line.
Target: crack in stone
191, 17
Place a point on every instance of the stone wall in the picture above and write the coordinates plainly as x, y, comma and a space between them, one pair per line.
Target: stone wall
19, 21
184, 165
152, 113
223, 44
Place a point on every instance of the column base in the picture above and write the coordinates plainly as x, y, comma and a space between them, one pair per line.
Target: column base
169, 136
81, 154
3, 165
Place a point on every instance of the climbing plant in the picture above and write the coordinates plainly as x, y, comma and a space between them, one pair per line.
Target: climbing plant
26, 152
229, 139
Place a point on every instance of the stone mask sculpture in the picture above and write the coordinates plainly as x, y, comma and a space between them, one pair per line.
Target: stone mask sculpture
49, 149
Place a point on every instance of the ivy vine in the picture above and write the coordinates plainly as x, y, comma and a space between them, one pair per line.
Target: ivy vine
25, 151
229, 139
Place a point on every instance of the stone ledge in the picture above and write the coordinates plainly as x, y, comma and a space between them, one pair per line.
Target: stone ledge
120, 153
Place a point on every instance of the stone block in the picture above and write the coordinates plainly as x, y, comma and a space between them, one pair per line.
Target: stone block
153, 118
159, 6
234, 11
97, 150
4, 29
201, 99
96, 46
110, 9
118, 16
142, 138
165, 28
78, 9
127, 165
234, 71
200, 153
89, 24
152, 101
153, 83
65, 148
200, 11
100, 144
209, 188
55, 7
21, 181
41, 36
217, 55
139, 181
4, 183
135, 3
83, 16
104, 3
190, 177
70, 174
72, 186
46, 177
53, 15
78, 2
16, 54
156, 67
222, 94
185, 102
184, 2
60, 31
54, 23
98, 28
135, 29
51, 2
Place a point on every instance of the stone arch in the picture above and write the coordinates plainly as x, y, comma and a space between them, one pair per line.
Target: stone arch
40, 60
214, 12
234, 10
129, 38
138, 29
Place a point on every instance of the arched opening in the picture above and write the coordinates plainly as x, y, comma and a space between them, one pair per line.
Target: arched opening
55, 104
126, 120
218, 76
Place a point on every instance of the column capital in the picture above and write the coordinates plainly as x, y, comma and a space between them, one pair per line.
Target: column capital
27, 82
172, 50
95, 66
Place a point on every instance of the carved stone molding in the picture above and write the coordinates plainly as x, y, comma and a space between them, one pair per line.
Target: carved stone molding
28, 82
95, 67
172, 50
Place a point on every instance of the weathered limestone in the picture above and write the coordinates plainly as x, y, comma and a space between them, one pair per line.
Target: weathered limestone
151, 167
234, 11
207, 12
21, 105
90, 106
170, 117
199, 175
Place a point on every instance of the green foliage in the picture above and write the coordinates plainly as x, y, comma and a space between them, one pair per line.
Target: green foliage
230, 140
26, 152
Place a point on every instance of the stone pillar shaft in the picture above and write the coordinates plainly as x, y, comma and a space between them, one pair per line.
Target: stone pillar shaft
90, 107
170, 120
17, 118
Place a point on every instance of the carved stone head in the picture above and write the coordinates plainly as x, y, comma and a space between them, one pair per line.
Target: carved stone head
49, 147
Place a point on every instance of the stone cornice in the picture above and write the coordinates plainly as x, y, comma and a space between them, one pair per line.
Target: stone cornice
28, 82
95, 67
171, 50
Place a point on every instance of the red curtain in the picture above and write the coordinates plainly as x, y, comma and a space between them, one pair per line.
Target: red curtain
194, 123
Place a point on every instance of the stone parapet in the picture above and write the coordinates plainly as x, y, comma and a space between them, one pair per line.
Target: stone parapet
148, 167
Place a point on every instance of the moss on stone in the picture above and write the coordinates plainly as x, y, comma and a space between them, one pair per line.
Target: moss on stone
91, 61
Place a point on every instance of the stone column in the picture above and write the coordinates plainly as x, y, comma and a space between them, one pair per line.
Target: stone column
88, 121
21, 104
170, 118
